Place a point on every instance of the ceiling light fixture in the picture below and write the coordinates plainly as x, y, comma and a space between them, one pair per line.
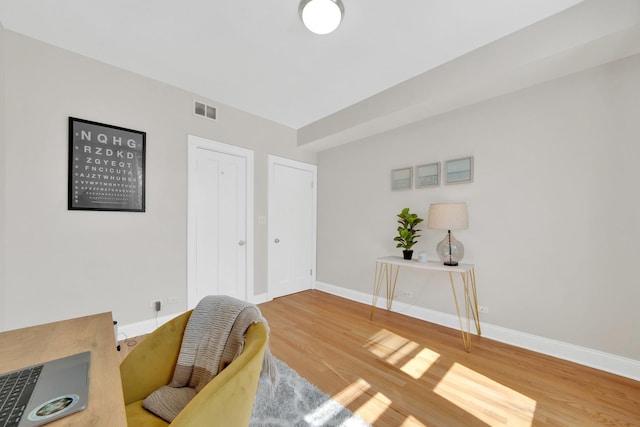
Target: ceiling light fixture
321, 16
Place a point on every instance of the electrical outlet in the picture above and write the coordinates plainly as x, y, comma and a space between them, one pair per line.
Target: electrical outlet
156, 304
483, 309
407, 294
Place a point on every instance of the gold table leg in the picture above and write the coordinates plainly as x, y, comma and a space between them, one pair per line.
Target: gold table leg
474, 302
384, 270
377, 283
470, 305
391, 290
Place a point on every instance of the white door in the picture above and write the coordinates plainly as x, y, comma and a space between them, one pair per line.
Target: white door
220, 214
292, 226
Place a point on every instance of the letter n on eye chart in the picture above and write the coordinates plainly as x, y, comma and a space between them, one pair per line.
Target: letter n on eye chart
106, 167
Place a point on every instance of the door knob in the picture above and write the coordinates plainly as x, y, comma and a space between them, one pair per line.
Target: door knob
241, 242
277, 240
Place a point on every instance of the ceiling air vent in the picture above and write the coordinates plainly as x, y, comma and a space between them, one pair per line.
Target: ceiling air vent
203, 110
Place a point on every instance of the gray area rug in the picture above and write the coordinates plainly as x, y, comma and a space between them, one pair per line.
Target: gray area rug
297, 402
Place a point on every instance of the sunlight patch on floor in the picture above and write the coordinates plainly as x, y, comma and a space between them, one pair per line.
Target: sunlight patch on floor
412, 421
395, 349
418, 365
352, 392
375, 407
385, 343
485, 398
324, 413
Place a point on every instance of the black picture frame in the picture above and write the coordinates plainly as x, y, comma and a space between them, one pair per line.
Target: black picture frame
106, 167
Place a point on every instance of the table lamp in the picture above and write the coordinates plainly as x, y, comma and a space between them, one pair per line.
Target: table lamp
449, 216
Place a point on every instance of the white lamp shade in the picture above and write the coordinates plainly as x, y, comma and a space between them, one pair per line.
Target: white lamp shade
448, 216
321, 16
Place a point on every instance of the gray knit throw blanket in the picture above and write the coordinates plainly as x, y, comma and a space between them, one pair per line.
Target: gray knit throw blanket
213, 338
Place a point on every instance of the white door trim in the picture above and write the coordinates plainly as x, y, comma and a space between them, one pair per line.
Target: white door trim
194, 143
276, 160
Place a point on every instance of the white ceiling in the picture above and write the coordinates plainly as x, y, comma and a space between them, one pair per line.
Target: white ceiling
257, 56
383, 68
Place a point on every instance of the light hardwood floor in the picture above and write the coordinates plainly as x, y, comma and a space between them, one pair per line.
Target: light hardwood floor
399, 371
396, 370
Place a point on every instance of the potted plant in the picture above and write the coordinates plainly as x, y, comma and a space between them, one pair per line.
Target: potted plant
407, 232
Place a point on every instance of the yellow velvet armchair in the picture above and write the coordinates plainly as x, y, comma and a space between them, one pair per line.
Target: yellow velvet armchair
226, 401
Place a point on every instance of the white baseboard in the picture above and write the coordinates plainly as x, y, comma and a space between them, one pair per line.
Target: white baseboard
142, 328
585, 356
259, 299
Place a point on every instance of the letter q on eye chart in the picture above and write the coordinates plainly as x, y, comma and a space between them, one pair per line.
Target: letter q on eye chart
106, 167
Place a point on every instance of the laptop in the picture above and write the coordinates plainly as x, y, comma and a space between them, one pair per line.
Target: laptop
40, 394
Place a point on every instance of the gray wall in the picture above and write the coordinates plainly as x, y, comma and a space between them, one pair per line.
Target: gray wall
554, 209
62, 263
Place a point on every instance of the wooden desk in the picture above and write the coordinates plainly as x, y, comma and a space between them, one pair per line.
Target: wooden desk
37, 344
385, 270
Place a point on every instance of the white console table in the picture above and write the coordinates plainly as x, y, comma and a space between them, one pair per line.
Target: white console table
388, 267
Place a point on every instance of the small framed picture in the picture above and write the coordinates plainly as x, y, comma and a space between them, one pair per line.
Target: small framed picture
459, 171
401, 179
428, 175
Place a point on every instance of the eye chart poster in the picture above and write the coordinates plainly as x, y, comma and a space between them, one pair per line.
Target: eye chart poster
106, 167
